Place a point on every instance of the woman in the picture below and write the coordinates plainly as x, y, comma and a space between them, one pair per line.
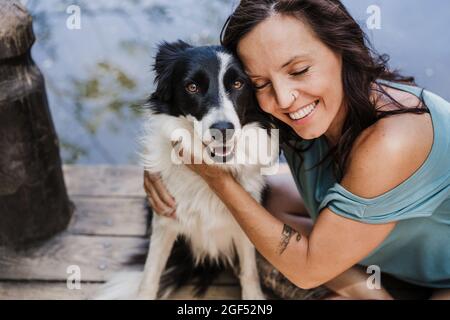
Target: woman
365, 147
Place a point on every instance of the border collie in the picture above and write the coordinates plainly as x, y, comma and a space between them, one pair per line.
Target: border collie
201, 92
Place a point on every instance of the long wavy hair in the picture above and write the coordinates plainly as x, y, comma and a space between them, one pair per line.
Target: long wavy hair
361, 69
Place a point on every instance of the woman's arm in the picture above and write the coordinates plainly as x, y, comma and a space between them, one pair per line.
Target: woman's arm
335, 243
384, 157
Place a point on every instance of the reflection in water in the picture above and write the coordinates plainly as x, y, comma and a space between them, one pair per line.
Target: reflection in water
97, 76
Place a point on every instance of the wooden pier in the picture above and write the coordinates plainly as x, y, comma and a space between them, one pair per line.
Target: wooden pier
108, 224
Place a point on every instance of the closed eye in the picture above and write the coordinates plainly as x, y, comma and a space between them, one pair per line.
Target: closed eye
256, 87
300, 72
294, 74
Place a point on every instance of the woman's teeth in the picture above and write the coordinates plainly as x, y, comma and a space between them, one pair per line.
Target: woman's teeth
303, 112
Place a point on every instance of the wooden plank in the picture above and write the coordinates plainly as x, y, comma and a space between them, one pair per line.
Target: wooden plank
97, 258
109, 216
45, 291
12, 290
16, 33
110, 201
104, 181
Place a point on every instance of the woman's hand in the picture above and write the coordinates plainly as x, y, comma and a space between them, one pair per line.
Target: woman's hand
213, 175
159, 198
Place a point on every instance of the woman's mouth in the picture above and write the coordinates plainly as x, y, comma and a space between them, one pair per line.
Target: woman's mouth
304, 112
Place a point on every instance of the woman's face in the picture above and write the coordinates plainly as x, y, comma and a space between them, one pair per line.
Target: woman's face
296, 77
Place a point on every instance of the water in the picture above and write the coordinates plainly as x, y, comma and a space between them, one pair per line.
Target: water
97, 74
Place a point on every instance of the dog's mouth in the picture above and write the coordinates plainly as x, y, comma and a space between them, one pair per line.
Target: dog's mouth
221, 152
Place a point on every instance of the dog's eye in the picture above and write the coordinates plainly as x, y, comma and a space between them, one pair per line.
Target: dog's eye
237, 84
192, 88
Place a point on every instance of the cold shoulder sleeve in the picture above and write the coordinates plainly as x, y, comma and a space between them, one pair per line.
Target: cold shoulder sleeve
418, 196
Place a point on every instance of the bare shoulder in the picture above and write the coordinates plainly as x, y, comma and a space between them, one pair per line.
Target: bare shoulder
388, 153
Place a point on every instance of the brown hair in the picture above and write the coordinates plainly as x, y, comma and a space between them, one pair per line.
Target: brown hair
362, 66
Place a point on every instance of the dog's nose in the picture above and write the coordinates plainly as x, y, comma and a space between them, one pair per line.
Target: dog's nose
222, 129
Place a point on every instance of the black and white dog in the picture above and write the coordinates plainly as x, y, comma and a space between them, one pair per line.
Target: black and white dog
203, 95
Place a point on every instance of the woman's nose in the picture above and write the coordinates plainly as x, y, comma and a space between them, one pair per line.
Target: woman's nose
284, 97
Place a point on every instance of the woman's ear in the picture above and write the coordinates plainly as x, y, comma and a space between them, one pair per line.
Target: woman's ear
166, 58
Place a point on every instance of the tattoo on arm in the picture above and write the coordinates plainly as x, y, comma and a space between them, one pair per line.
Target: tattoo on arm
286, 235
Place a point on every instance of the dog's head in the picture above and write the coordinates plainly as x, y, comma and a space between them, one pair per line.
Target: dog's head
208, 87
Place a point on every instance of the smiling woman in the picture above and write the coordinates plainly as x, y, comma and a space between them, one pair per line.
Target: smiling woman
331, 96
364, 144
298, 82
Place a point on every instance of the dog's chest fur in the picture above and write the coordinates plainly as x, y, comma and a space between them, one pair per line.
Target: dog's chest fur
201, 216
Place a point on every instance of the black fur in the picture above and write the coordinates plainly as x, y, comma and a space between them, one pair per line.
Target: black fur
180, 268
178, 63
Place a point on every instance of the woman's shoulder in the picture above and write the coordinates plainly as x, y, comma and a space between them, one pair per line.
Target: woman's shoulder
399, 132
388, 153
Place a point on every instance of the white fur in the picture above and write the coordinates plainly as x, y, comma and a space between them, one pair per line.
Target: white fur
225, 110
201, 215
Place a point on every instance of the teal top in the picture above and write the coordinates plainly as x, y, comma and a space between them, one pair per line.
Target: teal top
418, 249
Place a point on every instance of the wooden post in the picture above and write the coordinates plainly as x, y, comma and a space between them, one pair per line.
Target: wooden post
33, 199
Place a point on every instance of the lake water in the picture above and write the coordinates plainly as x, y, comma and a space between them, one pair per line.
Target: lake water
98, 74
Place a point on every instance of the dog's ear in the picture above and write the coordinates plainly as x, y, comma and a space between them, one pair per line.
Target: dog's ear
165, 60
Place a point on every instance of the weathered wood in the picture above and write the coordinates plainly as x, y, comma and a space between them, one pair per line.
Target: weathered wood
109, 216
58, 290
108, 226
104, 181
32, 290
97, 257
16, 31
33, 199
